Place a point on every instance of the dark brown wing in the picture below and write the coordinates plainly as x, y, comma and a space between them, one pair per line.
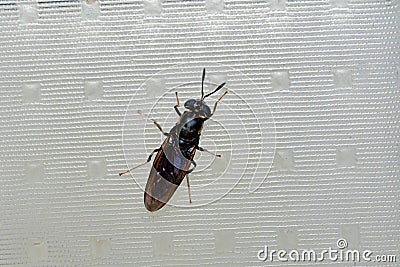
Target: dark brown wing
168, 170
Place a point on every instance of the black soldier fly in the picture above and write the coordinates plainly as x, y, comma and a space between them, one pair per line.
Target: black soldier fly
175, 156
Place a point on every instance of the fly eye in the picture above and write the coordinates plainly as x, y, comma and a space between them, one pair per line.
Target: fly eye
190, 104
207, 111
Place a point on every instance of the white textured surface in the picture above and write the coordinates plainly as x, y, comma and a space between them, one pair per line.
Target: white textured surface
326, 74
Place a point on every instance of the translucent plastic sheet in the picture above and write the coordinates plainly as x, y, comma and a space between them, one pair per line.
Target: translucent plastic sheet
309, 131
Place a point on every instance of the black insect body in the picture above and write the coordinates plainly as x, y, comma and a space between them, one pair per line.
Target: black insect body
175, 156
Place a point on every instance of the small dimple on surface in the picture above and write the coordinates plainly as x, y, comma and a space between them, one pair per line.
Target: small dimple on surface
278, 5
28, 13
215, 6
155, 87
31, 92
100, 247
90, 10
93, 89
287, 238
343, 78
351, 233
37, 250
346, 156
284, 159
152, 8
96, 168
280, 80
224, 241
34, 171
339, 3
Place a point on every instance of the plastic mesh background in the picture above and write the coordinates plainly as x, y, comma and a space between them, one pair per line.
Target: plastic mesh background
325, 74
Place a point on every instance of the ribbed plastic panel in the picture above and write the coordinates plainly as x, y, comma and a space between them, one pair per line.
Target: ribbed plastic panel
309, 131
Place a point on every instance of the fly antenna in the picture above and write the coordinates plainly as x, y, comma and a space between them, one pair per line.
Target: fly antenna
202, 83
219, 87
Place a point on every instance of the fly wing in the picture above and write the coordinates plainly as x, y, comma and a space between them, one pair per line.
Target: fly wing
168, 170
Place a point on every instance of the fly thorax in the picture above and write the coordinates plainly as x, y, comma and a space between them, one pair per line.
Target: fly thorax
191, 129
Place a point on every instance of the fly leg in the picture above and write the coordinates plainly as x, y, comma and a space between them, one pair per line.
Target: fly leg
187, 180
141, 164
153, 121
219, 99
205, 150
194, 166
177, 105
